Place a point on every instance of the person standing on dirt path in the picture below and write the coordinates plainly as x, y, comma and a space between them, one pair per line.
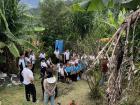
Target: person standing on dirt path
49, 87
21, 64
42, 55
28, 82
67, 56
57, 55
32, 59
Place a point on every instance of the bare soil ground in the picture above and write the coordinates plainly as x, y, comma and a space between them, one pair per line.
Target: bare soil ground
78, 91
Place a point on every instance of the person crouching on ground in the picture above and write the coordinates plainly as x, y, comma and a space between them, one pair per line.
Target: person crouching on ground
61, 73
49, 87
28, 82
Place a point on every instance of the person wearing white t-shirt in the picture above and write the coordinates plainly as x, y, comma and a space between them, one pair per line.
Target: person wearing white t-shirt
43, 68
28, 82
49, 62
32, 59
21, 64
42, 56
67, 56
61, 73
27, 59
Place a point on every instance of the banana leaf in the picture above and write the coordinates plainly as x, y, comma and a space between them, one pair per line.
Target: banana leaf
13, 49
27, 44
7, 30
2, 44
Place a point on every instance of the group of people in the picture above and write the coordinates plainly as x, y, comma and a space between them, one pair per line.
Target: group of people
66, 69
26, 65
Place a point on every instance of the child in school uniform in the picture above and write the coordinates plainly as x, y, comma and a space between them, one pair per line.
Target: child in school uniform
68, 70
43, 68
61, 73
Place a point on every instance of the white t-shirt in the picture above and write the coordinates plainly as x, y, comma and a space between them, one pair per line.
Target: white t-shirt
27, 60
21, 61
76, 61
67, 55
72, 62
56, 53
27, 75
61, 71
49, 61
43, 64
42, 55
32, 58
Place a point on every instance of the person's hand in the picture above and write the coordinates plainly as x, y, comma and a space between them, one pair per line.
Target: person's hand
50, 94
32, 82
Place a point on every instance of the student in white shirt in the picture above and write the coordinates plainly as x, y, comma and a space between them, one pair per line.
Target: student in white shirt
67, 56
42, 56
27, 59
21, 64
32, 59
43, 68
49, 62
28, 82
61, 73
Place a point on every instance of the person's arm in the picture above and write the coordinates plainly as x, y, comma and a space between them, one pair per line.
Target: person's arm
52, 91
65, 71
45, 85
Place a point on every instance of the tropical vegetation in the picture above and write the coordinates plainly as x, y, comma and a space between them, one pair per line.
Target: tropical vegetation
87, 27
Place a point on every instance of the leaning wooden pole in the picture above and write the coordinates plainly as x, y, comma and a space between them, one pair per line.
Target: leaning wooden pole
118, 56
119, 50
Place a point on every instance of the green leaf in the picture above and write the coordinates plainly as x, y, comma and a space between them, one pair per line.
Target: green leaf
121, 16
76, 7
39, 29
7, 30
2, 44
27, 44
111, 3
111, 18
13, 49
96, 5
84, 4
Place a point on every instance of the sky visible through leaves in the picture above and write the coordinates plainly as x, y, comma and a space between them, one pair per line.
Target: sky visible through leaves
31, 3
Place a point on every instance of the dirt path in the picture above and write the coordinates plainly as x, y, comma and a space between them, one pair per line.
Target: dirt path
79, 93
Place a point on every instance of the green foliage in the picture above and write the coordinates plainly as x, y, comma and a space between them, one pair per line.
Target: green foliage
55, 16
95, 77
82, 23
2, 45
13, 23
13, 49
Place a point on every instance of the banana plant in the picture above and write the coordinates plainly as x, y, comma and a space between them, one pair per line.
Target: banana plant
99, 5
9, 27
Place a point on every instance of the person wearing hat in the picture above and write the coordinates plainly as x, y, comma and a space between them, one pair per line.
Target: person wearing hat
49, 87
28, 82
